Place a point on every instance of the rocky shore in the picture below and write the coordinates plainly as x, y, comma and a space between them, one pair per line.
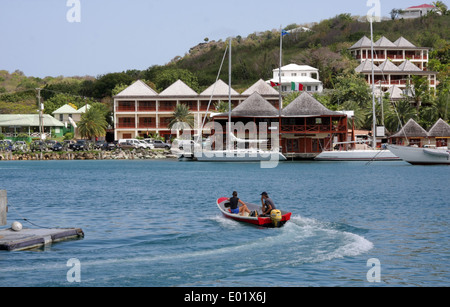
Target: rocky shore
136, 154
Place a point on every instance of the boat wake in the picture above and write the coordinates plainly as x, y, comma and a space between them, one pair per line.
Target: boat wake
305, 240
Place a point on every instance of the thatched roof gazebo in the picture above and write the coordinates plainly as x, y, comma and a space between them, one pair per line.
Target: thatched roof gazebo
306, 105
411, 133
253, 106
441, 129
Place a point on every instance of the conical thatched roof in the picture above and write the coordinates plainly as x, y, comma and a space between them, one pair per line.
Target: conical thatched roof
411, 129
306, 105
440, 129
254, 106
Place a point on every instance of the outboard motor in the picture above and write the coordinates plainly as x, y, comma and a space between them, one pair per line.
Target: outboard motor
276, 217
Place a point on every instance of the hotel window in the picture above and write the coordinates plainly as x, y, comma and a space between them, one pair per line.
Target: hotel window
61, 117
303, 74
294, 74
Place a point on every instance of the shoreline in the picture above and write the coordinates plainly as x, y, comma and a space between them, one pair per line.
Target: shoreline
88, 155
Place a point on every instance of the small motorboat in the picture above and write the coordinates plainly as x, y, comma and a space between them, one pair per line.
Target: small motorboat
277, 218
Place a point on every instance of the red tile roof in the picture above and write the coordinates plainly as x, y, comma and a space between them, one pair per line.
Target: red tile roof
423, 6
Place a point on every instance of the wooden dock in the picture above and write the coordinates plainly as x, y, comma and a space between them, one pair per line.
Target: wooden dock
24, 239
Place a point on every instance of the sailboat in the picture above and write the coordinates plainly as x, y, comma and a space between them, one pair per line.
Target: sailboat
362, 154
422, 156
241, 153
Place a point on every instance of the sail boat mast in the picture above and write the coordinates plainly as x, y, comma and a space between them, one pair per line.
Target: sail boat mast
229, 98
279, 70
374, 144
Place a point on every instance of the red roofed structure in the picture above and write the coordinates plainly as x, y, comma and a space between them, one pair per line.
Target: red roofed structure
417, 11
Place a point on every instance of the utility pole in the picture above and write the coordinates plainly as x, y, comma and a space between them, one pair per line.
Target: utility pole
41, 114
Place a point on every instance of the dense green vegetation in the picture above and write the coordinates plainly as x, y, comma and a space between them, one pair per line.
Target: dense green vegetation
254, 57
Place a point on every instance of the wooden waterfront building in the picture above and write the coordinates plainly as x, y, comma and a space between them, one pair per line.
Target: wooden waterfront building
306, 127
411, 134
439, 134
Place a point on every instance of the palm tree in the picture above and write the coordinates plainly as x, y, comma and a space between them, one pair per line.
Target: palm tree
93, 124
441, 7
182, 118
402, 111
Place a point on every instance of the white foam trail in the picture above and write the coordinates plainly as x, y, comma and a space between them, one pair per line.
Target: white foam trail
303, 240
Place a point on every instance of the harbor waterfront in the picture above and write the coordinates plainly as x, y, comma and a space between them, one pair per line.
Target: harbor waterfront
156, 223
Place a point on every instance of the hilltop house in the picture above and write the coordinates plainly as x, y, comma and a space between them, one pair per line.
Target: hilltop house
394, 64
417, 11
295, 78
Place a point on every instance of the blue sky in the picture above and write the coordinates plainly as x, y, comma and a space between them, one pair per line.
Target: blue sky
117, 35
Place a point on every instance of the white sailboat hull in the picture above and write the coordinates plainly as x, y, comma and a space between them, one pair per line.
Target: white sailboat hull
357, 155
239, 156
424, 156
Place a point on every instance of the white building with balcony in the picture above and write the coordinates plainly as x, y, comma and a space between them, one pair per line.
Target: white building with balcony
295, 78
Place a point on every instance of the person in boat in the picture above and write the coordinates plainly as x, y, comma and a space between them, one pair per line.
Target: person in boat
267, 204
234, 205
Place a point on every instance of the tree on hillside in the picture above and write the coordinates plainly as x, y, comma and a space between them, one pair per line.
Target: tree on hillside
167, 77
105, 84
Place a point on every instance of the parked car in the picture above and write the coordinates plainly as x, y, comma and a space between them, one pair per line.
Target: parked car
126, 144
19, 146
38, 146
57, 147
112, 145
135, 142
50, 143
101, 145
80, 145
5, 145
146, 144
161, 144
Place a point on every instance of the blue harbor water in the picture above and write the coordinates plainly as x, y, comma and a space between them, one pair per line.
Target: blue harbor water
155, 223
